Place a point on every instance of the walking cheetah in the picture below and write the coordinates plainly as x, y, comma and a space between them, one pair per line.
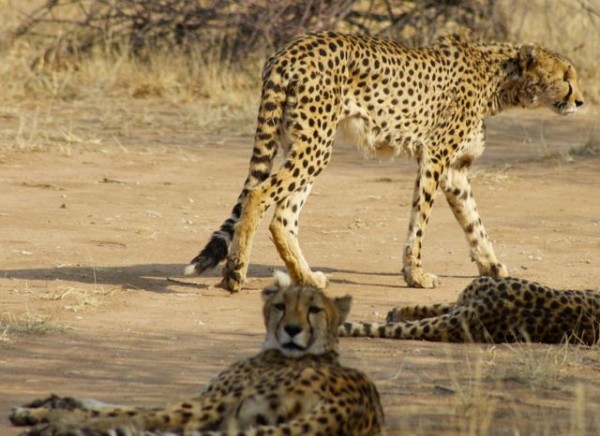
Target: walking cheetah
428, 102
495, 310
295, 386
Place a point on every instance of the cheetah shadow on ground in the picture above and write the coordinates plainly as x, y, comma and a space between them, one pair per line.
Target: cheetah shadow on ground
168, 278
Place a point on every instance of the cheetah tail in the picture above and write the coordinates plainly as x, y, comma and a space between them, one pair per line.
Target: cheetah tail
363, 329
215, 251
394, 330
266, 142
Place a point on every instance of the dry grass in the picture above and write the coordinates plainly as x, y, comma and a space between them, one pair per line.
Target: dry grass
535, 368
590, 148
229, 92
77, 299
488, 386
27, 324
233, 88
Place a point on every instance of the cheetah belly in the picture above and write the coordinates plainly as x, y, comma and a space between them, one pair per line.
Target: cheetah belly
374, 138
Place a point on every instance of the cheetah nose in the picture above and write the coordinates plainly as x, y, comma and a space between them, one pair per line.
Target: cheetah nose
292, 329
578, 103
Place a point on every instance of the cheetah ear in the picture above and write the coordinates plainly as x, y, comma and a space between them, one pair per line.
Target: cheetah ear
528, 54
281, 280
342, 305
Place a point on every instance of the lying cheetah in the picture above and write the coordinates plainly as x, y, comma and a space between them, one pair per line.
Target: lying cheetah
295, 386
495, 310
429, 103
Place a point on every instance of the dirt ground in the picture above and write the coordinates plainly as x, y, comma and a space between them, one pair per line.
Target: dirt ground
102, 208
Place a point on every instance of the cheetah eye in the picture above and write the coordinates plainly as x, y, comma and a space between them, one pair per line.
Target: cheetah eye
279, 306
314, 309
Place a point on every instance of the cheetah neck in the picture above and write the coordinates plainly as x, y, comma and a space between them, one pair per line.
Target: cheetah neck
272, 354
502, 74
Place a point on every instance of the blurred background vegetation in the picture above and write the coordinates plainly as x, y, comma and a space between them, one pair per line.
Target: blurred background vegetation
189, 49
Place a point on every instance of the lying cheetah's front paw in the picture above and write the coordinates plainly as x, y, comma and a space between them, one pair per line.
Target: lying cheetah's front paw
38, 410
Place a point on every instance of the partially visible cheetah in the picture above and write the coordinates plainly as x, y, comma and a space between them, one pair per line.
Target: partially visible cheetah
295, 386
429, 103
495, 310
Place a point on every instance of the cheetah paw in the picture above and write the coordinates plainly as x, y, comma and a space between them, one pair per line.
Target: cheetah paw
496, 270
421, 279
319, 280
500, 270
233, 276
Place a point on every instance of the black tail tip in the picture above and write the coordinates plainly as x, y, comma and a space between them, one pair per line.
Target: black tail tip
214, 252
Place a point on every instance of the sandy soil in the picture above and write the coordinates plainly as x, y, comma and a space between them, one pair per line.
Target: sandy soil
97, 226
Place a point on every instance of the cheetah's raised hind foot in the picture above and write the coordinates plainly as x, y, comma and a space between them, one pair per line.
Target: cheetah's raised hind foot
499, 271
318, 280
420, 279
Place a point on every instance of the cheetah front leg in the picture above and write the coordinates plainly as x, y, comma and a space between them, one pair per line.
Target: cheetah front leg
284, 230
424, 193
67, 415
457, 189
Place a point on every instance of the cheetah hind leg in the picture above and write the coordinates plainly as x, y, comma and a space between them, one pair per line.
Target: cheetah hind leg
253, 208
284, 231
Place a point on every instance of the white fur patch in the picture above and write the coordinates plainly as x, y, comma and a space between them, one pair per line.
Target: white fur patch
189, 270
281, 279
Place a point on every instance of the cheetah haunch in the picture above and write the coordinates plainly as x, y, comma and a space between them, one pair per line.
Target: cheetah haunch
429, 103
295, 386
495, 310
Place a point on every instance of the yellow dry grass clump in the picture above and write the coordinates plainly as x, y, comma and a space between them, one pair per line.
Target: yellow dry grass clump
27, 71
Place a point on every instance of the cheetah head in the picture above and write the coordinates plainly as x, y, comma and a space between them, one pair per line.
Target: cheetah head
301, 320
547, 79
